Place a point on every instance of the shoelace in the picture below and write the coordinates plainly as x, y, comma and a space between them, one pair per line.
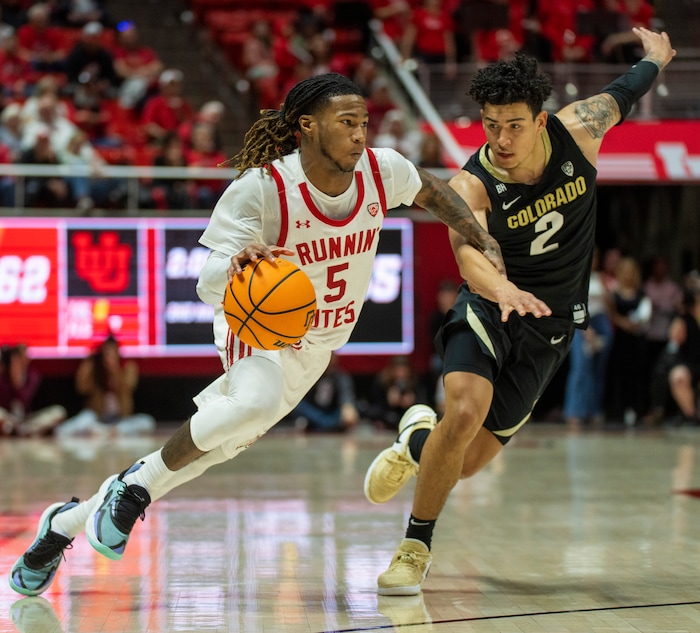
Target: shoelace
129, 507
409, 558
47, 549
400, 468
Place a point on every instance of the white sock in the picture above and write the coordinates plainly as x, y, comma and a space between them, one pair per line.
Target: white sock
152, 474
72, 522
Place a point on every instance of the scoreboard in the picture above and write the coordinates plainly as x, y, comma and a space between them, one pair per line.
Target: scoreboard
66, 283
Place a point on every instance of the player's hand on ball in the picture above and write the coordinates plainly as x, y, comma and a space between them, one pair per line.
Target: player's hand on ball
252, 253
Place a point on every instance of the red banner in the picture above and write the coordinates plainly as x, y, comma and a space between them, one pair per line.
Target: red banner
636, 151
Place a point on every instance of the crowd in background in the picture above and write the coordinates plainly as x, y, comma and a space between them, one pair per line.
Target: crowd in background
80, 89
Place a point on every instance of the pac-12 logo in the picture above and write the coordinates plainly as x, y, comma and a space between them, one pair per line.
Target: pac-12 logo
373, 208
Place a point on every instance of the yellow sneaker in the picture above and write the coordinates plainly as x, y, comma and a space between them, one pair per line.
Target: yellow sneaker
407, 570
394, 466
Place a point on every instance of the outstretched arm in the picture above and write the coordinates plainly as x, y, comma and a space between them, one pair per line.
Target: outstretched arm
590, 119
437, 197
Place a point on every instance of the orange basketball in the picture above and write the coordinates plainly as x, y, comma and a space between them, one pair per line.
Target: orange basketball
270, 305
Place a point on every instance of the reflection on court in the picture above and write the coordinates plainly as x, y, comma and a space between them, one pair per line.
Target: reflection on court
581, 533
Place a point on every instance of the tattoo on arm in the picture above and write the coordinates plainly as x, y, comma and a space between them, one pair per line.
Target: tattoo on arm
598, 114
444, 203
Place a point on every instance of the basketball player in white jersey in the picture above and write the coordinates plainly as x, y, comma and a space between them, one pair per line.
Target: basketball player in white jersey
310, 191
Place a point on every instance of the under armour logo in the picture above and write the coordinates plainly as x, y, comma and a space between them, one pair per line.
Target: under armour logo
306, 224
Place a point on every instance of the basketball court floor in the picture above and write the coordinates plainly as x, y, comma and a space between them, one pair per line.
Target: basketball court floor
594, 532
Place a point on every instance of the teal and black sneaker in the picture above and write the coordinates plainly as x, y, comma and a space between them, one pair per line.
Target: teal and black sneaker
108, 527
36, 568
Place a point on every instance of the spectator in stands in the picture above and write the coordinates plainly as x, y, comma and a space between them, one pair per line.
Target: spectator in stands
138, 66
623, 46
169, 109
19, 383
430, 37
379, 103
91, 189
10, 150
365, 74
445, 297
630, 314
170, 193
396, 388
11, 131
50, 115
395, 16
588, 358
684, 344
211, 113
91, 80
44, 191
204, 153
108, 384
41, 43
558, 25
330, 405
17, 77
611, 258
502, 42
665, 296
431, 152
260, 65
90, 63
47, 85
394, 132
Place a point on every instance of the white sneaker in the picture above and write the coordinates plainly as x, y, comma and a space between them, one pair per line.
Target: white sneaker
394, 466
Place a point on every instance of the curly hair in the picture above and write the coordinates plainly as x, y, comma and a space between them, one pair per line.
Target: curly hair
275, 134
515, 81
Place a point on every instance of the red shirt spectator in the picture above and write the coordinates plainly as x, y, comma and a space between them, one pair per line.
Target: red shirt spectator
16, 73
490, 45
395, 16
137, 65
558, 26
40, 43
165, 112
429, 31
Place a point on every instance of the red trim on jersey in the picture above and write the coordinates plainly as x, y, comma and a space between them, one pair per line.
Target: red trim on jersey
284, 210
316, 213
377, 179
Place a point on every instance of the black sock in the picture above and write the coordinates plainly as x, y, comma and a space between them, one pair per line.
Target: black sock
421, 530
416, 441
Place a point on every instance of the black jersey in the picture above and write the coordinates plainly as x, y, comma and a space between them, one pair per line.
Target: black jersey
546, 231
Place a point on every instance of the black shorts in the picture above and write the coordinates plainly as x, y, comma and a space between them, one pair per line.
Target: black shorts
518, 357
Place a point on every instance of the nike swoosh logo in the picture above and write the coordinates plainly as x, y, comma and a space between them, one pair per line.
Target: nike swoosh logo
555, 340
508, 205
412, 522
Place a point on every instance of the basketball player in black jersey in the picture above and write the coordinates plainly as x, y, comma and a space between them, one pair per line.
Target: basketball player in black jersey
533, 186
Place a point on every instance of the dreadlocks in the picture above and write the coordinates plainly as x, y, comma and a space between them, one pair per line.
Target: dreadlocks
274, 135
507, 82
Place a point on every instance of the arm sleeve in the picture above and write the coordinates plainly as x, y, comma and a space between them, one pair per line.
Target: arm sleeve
212, 278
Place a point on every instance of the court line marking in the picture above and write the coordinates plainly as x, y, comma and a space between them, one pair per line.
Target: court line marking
508, 616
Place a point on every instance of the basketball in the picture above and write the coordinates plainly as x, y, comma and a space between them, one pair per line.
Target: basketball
270, 305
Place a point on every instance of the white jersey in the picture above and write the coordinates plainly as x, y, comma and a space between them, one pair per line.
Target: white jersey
334, 238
